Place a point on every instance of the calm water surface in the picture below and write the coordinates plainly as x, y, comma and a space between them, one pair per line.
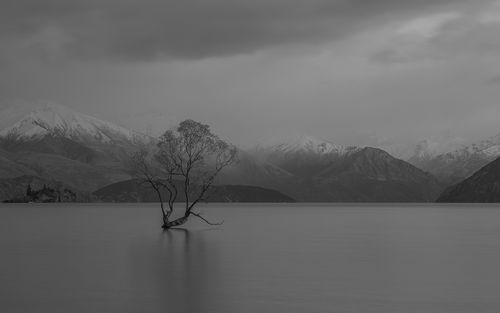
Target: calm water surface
265, 258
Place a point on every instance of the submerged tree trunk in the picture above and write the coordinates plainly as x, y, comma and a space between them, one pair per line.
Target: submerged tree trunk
177, 222
182, 220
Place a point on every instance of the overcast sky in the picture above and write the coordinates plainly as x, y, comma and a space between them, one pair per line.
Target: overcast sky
343, 70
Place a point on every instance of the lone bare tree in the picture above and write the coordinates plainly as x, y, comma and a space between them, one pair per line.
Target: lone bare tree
186, 162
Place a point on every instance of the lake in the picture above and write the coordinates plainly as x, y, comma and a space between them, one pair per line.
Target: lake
264, 258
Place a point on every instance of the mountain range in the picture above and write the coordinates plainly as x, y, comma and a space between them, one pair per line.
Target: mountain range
482, 186
51, 119
57, 147
455, 166
55, 143
320, 171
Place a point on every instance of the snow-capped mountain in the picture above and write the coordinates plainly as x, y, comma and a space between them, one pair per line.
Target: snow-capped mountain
302, 155
323, 171
428, 149
304, 144
461, 163
50, 119
253, 170
488, 149
59, 144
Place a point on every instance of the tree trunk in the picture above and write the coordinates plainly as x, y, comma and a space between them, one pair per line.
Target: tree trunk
177, 222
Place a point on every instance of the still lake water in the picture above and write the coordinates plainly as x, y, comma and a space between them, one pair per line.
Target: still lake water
264, 258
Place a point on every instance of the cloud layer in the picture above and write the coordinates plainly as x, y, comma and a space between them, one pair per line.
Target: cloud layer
444, 35
148, 29
338, 69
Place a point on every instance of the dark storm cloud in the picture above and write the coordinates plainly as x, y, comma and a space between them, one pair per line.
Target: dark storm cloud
146, 29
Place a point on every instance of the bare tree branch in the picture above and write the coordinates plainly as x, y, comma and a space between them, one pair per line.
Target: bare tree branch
207, 221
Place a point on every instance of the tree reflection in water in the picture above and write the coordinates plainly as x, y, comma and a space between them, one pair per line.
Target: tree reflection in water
179, 273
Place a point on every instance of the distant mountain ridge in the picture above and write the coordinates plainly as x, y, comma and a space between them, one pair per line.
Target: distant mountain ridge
133, 191
89, 154
57, 143
459, 164
322, 172
50, 119
427, 149
306, 144
482, 186
303, 155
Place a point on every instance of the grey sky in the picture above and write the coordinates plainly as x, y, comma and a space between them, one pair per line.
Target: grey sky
343, 70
